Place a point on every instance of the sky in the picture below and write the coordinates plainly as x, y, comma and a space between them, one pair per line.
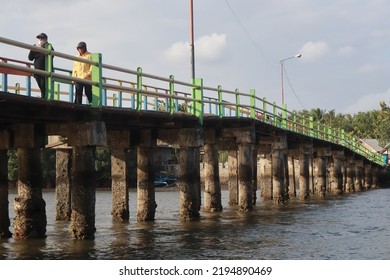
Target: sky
345, 63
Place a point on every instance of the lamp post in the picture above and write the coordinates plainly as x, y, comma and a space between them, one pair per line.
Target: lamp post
192, 40
282, 70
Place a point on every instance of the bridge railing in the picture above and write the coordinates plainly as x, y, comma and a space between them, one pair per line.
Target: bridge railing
136, 90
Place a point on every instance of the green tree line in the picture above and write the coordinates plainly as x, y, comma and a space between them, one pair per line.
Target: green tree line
374, 124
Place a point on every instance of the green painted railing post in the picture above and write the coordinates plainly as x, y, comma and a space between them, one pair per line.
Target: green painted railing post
265, 109
171, 105
295, 121
57, 92
253, 103
139, 89
237, 103
49, 68
221, 110
284, 116
97, 77
311, 125
197, 96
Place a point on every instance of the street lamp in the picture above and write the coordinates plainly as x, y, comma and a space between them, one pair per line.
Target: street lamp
282, 70
192, 40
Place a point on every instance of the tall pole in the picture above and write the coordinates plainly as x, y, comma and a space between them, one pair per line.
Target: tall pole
282, 70
192, 40
281, 75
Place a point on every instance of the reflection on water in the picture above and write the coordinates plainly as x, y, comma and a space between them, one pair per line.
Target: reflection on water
354, 226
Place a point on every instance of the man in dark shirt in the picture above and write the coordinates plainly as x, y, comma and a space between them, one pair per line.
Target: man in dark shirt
40, 62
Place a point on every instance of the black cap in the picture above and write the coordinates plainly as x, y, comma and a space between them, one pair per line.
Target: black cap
81, 45
42, 36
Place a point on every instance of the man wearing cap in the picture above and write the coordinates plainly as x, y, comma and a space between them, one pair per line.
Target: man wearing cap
83, 71
40, 61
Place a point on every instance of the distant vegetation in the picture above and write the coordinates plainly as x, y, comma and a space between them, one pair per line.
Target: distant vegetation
374, 124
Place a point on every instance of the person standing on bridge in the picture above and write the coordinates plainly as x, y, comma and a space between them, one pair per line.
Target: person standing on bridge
40, 61
83, 71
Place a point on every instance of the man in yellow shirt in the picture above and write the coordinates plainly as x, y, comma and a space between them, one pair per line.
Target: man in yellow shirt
83, 71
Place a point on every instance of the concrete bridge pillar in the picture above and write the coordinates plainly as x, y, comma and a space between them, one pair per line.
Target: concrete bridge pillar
189, 175
63, 184
336, 176
245, 176
305, 153
83, 194
321, 162
233, 176
350, 175
266, 187
146, 201
367, 176
212, 192
292, 182
279, 164
120, 194
244, 167
30, 214
84, 137
358, 175
118, 143
375, 174
254, 174
4, 212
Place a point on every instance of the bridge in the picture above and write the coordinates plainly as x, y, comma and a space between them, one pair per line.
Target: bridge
271, 151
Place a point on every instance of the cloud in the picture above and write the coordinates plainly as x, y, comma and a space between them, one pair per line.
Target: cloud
369, 102
210, 47
314, 50
346, 51
369, 68
207, 48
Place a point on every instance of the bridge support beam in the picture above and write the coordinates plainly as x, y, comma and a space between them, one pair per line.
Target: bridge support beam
358, 175
322, 156
367, 176
212, 192
305, 152
4, 212
279, 164
292, 182
118, 143
30, 213
350, 175
245, 176
63, 184
233, 176
83, 188
83, 194
266, 188
375, 173
189, 175
146, 202
336, 178
120, 195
